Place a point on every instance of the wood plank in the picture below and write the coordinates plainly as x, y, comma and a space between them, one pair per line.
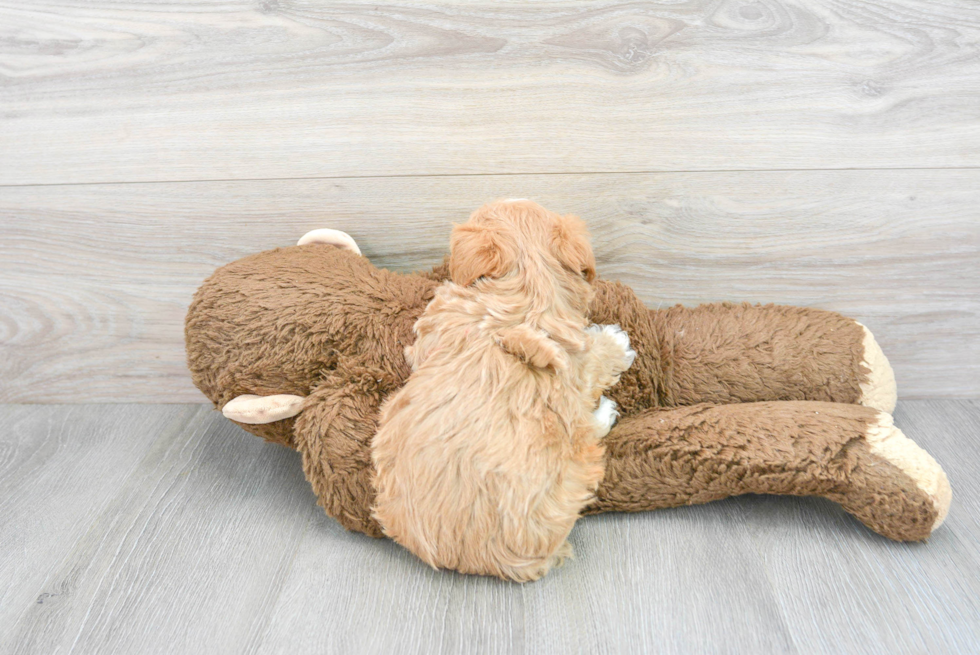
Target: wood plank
95, 279
189, 555
163, 90
664, 582
60, 468
838, 583
948, 429
200, 537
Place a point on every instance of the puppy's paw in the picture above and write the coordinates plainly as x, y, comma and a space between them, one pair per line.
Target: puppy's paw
605, 416
533, 347
618, 336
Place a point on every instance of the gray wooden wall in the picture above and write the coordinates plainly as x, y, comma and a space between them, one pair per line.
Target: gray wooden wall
803, 152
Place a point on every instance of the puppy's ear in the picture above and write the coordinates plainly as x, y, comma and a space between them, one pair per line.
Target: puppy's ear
533, 347
571, 246
477, 251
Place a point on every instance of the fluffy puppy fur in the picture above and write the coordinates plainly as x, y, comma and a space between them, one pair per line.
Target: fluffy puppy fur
486, 456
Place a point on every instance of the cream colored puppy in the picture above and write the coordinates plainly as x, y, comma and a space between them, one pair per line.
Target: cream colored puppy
486, 456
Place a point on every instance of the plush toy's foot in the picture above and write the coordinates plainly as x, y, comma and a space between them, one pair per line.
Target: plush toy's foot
888, 442
258, 410
332, 237
879, 390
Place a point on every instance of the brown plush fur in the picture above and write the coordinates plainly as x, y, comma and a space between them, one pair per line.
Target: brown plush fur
691, 455
737, 353
326, 324
486, 456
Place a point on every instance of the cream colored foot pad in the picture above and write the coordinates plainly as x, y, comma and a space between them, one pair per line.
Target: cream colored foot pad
880, 391
889, 442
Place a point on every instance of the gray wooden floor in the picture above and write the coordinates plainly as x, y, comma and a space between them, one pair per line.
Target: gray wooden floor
164, 528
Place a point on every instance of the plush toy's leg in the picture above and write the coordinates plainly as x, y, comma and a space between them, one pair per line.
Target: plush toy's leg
850, 454
728, 353
334, 433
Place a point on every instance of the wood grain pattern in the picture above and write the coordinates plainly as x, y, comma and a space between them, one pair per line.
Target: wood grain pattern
161, 90
910, 584
191, 549
95, 279
201, 538
635, 586
59, 471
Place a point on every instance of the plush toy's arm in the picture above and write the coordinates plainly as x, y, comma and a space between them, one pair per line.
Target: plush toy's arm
334, 433
736, 353
728, 353
850, 454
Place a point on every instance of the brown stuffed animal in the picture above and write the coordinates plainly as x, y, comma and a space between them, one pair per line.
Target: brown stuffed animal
301, 345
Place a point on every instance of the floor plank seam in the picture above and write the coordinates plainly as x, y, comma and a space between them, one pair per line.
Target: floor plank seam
394, 176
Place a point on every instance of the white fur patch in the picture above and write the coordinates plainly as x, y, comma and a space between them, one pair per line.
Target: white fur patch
890, 443
258, 410
619, 336
332, 237
880, 391
606, 415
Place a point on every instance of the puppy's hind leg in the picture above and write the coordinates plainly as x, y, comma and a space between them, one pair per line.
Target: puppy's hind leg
537, 569
564, 552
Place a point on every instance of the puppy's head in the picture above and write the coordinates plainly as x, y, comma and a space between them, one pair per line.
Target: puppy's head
520, 236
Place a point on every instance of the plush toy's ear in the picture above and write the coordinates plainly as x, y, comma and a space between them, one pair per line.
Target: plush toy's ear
571, 246
480, 250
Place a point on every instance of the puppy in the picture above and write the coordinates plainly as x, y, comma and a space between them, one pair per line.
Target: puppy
486, 456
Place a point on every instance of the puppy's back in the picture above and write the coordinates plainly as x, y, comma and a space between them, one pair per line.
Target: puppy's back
475, 472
